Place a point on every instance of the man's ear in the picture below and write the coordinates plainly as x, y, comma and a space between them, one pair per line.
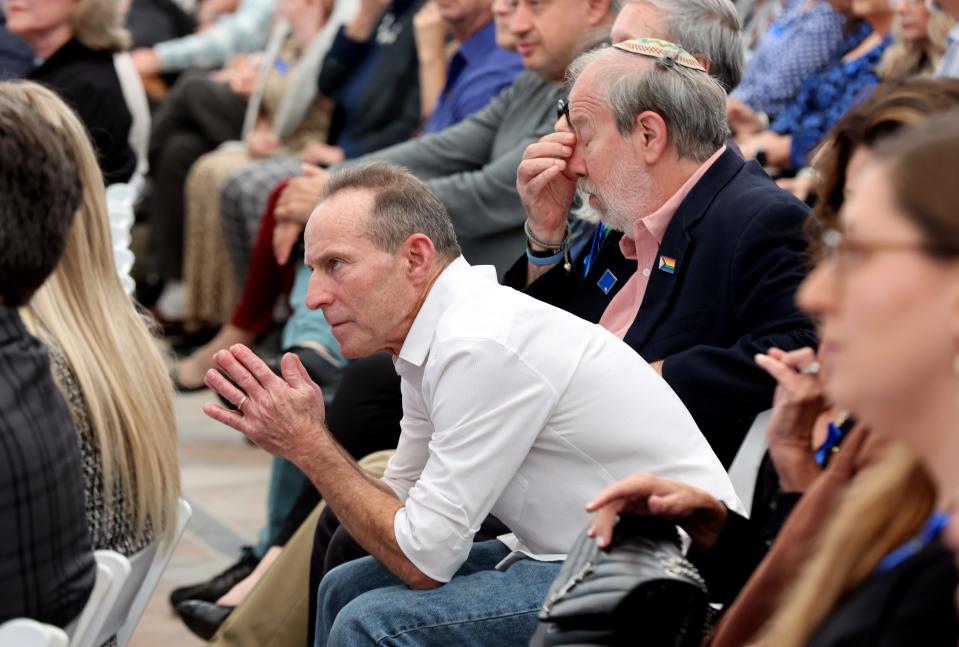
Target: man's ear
650, 136
596, 11
420, 255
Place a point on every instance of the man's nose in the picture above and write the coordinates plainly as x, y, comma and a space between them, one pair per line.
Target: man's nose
519, 22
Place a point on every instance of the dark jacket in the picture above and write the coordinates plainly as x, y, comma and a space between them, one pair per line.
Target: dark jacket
912, 604
739, 258
87, 80
46, 563
375, 84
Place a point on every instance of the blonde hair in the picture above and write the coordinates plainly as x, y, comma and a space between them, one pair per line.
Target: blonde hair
886, 505
903, 59
98, 24
108, 344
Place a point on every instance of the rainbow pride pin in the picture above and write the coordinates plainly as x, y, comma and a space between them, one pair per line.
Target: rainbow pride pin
667, 264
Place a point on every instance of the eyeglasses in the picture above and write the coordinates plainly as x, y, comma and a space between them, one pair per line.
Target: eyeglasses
847, 253
562, 110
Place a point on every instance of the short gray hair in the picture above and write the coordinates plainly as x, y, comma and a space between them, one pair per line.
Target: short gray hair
691, 102
711, 28
402, 206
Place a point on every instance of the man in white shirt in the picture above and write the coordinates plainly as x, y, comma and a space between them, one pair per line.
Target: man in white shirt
511, 407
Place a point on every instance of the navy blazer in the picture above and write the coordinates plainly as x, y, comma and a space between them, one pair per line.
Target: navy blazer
739, 257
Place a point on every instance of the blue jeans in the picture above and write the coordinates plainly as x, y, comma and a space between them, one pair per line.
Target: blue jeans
362, 603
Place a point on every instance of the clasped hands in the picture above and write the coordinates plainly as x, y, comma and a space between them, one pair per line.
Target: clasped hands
283, 415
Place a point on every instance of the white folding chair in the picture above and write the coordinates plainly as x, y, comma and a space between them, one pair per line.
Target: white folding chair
23, 632
112, 571
148, 566
745, 467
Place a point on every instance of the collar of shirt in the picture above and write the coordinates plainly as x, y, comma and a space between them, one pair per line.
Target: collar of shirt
654, 225
11, 325
479, 45
446, 288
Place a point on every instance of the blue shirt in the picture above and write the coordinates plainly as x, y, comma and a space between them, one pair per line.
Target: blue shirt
799, 43
477, 73
825, 97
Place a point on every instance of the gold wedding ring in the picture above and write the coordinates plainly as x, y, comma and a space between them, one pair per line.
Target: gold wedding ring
239, 407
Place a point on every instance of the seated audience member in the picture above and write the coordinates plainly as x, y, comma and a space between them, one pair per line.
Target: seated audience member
76, 40
920, 42
698, 256
16, 57
804, 39
469, 87
726, 546
949, 65
476, 73
46, 564
388, 273
242, 31
472, 167
918, 47
371, 76
268, 101
881, 574
827, 95
122, 411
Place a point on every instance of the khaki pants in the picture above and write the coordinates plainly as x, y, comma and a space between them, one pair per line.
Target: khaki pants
274, 614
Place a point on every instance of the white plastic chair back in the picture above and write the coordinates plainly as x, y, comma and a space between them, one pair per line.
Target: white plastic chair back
151, 561
23, 632
745, 467
136, 100
112, 571
120, 199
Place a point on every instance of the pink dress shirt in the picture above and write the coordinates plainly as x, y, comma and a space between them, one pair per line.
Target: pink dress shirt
642, 247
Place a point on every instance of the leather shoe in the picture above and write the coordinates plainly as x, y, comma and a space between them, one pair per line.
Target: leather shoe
214, 588
203, 618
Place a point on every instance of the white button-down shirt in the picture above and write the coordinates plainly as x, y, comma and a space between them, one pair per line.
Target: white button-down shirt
519, 409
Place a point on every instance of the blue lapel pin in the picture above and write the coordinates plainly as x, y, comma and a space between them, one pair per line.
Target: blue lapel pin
607, 281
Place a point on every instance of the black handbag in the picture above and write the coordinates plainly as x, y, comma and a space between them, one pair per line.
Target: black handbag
640, 591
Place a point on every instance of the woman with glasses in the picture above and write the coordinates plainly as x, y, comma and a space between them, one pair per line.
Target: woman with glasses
887, 297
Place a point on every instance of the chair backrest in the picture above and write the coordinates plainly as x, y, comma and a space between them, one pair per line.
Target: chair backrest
149, 565
113, 569
136, 99
23, 632
745, 467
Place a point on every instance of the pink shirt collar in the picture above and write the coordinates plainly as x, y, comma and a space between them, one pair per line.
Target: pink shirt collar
655, 224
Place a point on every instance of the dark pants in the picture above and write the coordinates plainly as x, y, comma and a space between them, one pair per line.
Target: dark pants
154, 21
198, 116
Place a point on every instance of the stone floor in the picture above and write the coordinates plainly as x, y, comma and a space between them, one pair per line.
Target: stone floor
225, 480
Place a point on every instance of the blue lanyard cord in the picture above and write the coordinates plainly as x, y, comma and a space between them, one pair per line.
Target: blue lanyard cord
599, 237
930, 533
830, 445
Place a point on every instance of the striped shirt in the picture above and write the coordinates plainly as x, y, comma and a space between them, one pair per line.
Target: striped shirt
46, 565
